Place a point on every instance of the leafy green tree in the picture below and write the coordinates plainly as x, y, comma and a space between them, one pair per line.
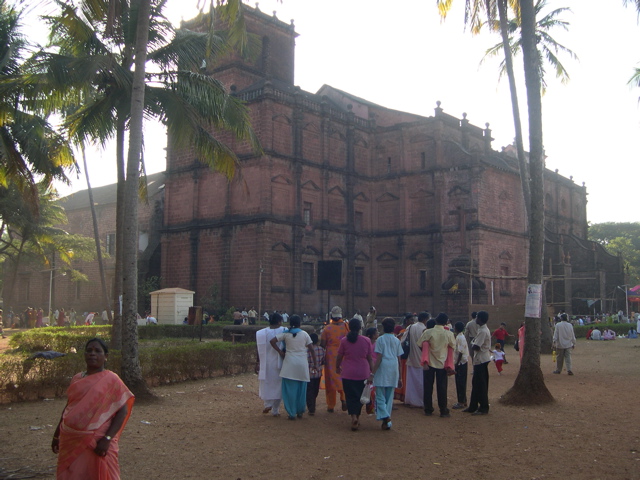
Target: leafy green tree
28, 236
621, 239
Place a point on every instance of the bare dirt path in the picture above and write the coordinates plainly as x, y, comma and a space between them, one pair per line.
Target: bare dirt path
215, 429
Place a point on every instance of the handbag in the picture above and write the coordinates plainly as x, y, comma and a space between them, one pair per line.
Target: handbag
516, 346
406, 346
365, 398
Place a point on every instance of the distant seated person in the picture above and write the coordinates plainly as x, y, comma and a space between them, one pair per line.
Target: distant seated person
596, 334
589, 332
608, 334
633, 333
151, 320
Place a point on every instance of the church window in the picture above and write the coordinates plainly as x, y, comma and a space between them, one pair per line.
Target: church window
306, 213
359, 280
307, 276
358, 217
422, 280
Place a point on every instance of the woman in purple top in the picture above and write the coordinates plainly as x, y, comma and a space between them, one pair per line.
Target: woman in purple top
354, 364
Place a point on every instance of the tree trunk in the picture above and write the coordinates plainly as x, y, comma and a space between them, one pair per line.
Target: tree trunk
116, 331
131, 371
515, 107
96, 236
529, 387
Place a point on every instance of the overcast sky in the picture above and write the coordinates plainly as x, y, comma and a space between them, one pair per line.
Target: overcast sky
402, 56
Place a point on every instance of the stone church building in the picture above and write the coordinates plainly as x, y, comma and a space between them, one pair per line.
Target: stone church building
421, 212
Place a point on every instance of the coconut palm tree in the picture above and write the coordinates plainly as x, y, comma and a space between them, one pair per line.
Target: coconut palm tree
529, 387
93, 66
29, 145
548, 47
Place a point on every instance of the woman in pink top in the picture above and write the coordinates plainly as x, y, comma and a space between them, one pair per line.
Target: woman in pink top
354, 364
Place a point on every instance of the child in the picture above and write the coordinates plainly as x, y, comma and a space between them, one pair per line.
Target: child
372, 333
498, 357
314, 375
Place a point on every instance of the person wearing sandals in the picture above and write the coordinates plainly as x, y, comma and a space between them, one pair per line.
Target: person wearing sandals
354, 364
386, 373
295, 367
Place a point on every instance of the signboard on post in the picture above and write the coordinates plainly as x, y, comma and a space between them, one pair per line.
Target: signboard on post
533, 305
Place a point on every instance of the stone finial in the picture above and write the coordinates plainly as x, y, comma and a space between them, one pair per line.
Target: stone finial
557, 170
464, 115
438, 109
275, 14
258, 6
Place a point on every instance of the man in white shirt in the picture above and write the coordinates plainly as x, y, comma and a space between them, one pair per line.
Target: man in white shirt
460, 358
481, 345
564, 340
414, 389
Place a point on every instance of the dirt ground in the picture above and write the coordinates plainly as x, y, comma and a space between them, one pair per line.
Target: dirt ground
215, 429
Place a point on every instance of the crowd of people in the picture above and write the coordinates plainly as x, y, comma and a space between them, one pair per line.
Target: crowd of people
362, 367
33, 317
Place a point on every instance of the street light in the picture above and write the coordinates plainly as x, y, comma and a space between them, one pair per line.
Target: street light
626, 297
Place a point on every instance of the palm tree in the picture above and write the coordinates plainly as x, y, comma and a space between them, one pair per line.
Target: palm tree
529, 387
91, 64
549, 48
29, 146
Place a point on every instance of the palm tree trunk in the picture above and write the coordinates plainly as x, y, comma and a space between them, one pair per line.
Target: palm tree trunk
529, 387
116, 331
508, 59
131, 371
96, 236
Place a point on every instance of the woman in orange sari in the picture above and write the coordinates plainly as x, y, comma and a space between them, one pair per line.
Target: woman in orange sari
330, 341
98, 407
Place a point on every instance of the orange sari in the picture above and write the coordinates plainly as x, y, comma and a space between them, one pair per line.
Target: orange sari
332, 334
93, 401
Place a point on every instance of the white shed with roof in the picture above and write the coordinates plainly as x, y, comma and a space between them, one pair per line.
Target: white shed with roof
171, 305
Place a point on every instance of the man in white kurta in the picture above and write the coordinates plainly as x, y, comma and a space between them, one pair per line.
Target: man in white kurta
414, 389
268, 366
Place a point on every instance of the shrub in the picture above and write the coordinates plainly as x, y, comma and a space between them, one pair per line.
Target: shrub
22, 378
60, 339
619, 328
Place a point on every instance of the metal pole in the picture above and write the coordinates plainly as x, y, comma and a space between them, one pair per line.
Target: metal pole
259, 292
626, 297
50, 288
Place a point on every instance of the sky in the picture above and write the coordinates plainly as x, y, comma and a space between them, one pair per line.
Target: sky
401, 55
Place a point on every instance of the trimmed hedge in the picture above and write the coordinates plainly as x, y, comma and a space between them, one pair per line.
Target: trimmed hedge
60, 339
619, 328
22, 378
